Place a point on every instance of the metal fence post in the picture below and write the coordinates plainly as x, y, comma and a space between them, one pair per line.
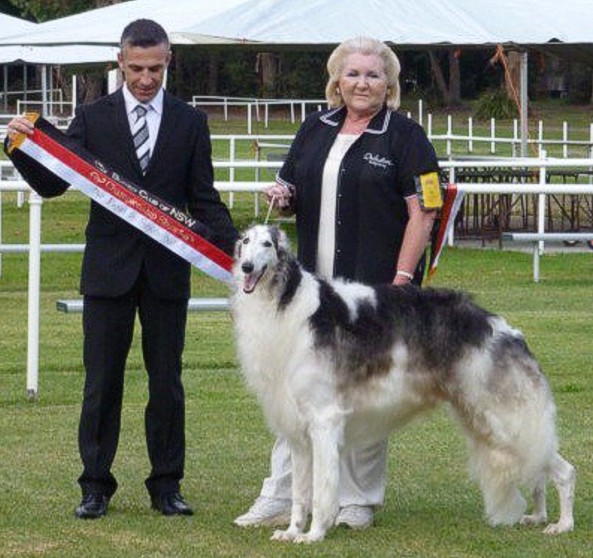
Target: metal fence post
35, 203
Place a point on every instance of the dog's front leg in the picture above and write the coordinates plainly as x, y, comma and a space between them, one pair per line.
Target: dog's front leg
301, 493
326, 438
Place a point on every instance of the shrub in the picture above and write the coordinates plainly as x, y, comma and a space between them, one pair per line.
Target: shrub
496, 104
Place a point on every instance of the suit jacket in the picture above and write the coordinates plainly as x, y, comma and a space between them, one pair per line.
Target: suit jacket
180, 172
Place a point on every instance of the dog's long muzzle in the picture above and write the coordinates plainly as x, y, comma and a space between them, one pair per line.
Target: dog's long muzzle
251, 277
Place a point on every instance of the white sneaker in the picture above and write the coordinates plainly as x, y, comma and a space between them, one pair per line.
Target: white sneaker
355, 517
269, 512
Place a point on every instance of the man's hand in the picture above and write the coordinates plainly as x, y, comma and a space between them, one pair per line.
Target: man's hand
20, 125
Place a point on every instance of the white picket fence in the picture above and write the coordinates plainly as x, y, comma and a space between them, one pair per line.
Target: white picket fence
259, 109
461, 136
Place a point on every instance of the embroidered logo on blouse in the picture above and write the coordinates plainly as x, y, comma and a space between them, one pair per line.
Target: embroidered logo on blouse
377, 160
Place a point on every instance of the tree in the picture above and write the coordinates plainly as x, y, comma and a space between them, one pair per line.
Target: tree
43, 10
267, 66
451, 91
6, 7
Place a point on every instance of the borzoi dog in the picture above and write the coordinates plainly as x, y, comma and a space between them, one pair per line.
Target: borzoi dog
339, 364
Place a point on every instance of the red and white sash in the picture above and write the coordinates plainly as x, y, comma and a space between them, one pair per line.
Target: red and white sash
168, 225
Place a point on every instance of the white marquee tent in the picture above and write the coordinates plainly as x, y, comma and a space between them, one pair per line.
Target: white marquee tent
532, 23
57, 55
43, 55
103, 26
9, 26
548, 24
401, 22
287, 22
21, 52
93, 36
564, 27
13, 25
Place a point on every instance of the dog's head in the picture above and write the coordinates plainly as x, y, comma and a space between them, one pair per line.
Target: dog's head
258, 254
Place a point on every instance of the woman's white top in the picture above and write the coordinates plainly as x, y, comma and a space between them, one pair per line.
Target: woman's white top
326, 239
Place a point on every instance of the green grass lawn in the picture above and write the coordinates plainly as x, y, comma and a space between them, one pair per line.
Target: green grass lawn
431, 508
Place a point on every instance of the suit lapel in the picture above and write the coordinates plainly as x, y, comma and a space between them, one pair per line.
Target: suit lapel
167, 129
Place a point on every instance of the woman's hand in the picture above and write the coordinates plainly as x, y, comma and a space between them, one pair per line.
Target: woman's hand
402, 279
278, 195
416, 238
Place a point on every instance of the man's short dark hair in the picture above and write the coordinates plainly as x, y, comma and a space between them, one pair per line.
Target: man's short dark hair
143, 33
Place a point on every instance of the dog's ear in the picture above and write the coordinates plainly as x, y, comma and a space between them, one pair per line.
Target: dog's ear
283, 242
280, 241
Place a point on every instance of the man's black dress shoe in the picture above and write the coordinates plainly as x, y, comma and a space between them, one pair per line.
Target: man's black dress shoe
92, 506
171, 503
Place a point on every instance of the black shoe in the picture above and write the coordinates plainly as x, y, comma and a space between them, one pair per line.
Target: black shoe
171, 503
92, 506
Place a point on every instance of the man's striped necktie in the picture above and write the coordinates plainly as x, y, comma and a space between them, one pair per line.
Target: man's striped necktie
140, 136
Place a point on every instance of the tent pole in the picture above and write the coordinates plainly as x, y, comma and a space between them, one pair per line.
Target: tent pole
524, 103
5, 96
74, 93
25, 83
44, 109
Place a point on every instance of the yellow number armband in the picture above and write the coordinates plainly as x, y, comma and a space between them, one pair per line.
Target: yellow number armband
428, 187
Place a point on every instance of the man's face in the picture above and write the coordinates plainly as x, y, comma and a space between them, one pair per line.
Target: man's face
144, 69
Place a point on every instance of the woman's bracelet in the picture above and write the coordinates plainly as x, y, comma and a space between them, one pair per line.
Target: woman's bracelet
406, 274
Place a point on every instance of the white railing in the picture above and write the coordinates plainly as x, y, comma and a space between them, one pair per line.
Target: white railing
541, 188
444, 143
26, 105
460, 133
460, 137
536, 144
254, 107
25, 94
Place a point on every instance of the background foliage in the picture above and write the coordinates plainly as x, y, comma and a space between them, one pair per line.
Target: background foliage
42, 10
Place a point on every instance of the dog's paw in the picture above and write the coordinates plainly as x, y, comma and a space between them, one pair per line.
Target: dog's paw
285, 535
533, 519
308, 538
560, 527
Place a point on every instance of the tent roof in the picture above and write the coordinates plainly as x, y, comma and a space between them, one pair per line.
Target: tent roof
57, 55
400, 22
13, 25
285, 22
558, 26
103, 26
534, 22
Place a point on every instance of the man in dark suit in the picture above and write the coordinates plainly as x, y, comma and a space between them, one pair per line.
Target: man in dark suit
165, 148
